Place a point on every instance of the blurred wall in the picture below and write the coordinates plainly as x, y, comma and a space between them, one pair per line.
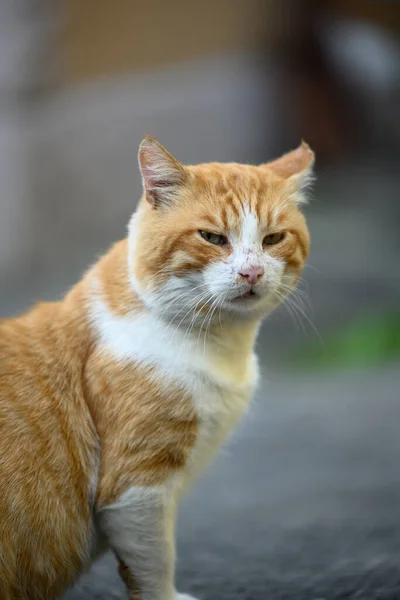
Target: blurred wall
23, 34
190, 73
124, 36
81, 82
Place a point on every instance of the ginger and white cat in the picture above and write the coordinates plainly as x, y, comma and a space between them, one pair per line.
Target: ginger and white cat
113, 399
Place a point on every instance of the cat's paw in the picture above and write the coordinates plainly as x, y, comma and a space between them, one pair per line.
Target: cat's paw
185, 597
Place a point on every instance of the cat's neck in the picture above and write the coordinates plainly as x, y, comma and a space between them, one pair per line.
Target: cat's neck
123, 320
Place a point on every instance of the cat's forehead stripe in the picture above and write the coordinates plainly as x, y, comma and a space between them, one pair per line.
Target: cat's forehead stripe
250, 228
236, 213
241, 190
232, 205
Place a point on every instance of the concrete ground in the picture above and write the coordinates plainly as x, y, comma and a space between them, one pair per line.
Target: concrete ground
303, 504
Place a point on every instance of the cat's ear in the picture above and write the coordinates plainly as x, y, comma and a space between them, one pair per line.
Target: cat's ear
162, 174
296, 168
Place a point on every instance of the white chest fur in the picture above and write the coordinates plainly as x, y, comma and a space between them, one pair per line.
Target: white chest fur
219, 372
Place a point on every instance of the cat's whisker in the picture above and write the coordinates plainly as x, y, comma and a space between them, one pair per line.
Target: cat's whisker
193, 308
308, 266
223, 298
187, 294
164, 270
213, 308
200, 329
299, 310
201, 297
297, 291
307, 318
299, 304
292, 313
193, 320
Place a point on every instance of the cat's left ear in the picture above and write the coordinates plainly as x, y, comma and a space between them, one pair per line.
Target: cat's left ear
162, 174
296, 168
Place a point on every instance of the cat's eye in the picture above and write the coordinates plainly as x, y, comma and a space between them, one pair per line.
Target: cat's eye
273, 238
213, 238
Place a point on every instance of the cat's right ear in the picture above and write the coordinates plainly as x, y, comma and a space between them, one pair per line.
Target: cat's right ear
162, 174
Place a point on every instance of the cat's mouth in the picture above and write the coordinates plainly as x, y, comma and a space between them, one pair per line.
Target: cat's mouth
246, 296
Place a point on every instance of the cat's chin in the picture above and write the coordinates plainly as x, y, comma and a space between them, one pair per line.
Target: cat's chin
248, 307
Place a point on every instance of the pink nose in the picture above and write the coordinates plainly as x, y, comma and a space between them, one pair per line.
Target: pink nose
252, 273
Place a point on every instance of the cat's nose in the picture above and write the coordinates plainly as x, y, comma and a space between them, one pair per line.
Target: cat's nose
252, 273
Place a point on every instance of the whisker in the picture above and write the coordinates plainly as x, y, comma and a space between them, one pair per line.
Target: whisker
296, 320
299, 310
193, 308
308, 266
200, 295
187, 294
214, 307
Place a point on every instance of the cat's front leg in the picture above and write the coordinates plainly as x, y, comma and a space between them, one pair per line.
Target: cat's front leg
140, 529
133, 590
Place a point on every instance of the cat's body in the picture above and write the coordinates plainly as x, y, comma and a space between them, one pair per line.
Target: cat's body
112, 400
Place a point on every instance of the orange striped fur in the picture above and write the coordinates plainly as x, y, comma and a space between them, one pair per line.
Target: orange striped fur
82, 422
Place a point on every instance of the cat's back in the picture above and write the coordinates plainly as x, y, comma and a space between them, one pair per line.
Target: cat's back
48, 455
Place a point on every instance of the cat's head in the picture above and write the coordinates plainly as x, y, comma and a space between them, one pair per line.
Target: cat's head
222, 239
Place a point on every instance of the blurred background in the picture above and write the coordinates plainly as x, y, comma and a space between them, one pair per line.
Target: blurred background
304, 504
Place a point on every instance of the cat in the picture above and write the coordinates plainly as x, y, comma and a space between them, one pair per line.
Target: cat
112, 400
